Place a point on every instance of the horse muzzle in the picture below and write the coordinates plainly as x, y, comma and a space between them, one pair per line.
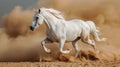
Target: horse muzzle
31, 28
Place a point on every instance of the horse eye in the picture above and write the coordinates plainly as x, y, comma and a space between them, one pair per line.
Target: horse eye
37, 18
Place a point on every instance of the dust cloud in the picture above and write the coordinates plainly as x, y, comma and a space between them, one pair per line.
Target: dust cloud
100, 11
18, 43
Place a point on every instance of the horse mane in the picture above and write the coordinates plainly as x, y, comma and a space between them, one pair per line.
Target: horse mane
56, 13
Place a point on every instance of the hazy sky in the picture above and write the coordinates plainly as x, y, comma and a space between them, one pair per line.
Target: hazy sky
7, 5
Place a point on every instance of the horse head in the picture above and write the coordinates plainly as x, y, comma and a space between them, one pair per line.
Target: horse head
37, 20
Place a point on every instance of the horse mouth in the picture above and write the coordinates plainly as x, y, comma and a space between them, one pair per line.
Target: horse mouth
31, 28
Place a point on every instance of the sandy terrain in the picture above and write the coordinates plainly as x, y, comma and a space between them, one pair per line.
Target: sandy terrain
60, 64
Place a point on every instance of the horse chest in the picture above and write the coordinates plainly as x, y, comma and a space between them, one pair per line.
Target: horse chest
53, 35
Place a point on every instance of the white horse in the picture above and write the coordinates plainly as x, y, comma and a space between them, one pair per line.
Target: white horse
60, 30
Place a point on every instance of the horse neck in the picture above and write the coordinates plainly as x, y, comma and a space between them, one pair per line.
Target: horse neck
50, 21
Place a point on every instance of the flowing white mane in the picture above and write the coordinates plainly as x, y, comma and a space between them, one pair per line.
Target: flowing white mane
54, 12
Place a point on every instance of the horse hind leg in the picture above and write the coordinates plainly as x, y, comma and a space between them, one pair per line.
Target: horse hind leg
88, 41
75, 45
97, 38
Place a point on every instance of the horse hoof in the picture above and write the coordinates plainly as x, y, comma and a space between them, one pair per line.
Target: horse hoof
48, 51
104, 39
69, 49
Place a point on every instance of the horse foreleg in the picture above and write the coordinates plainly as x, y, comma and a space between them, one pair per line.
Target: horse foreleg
43, 44
61, 45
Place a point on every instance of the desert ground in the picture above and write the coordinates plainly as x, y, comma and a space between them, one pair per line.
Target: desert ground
60, 64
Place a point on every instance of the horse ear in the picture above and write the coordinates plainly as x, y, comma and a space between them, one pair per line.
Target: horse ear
39, 10
34, 10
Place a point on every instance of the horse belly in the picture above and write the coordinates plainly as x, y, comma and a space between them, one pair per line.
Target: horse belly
72, 36
73, 32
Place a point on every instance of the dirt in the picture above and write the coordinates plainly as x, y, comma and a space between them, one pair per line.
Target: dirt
60, 64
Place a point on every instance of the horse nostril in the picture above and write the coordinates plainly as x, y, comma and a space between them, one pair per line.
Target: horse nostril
31, 28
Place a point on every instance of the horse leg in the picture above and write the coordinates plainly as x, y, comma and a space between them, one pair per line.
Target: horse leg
75, 45
97, 38
61, 45
43, 44
87, 40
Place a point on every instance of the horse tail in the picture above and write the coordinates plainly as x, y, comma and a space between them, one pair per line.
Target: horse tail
95, 32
